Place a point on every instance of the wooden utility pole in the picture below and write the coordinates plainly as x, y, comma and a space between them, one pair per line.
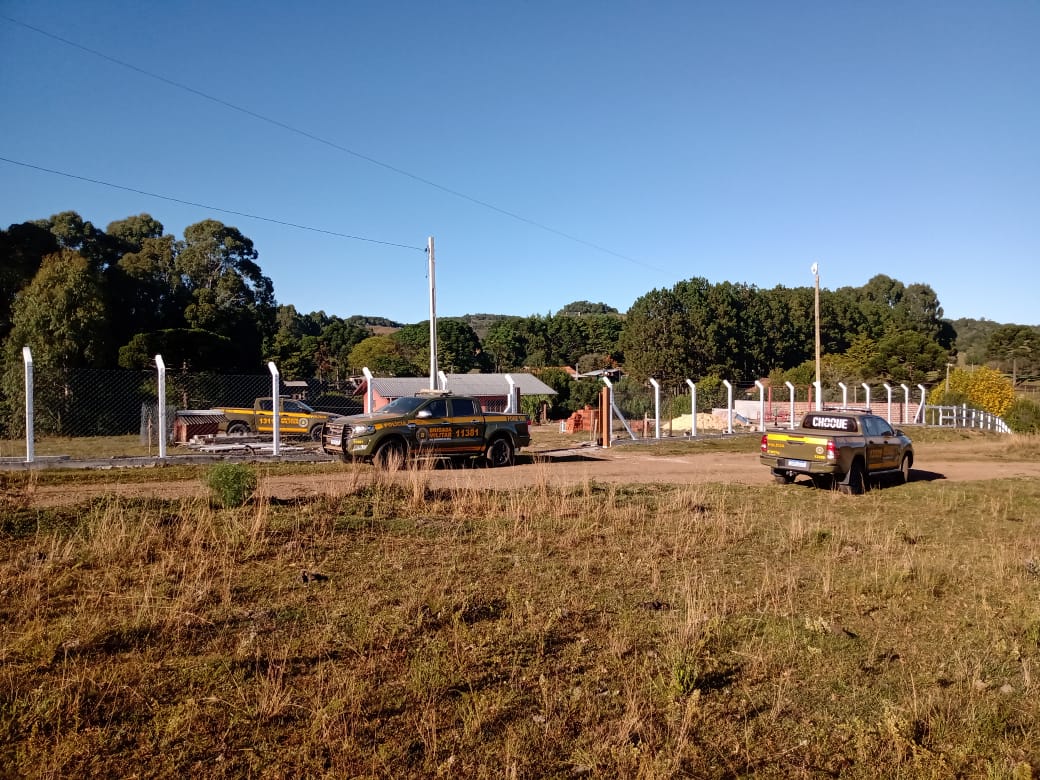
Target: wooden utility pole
818, 386
433, 316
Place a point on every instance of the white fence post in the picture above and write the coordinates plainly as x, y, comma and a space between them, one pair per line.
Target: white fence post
513, 407
729, 406
657, 408
693, 408
30, 439
888, 389
276, 408
370, 394
844, 395
443, 380
790, 390
761, 405
906, 402
819, 395
161, 366
920, 409
866, 388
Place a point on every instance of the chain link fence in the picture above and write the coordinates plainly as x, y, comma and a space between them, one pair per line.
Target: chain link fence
92, 413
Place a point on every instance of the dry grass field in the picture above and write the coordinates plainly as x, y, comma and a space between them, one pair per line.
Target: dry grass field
392, 626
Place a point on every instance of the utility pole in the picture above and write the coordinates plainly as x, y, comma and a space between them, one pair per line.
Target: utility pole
816, 274
433, 316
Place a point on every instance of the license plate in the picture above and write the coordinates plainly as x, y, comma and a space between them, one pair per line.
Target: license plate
335, 441
797, 464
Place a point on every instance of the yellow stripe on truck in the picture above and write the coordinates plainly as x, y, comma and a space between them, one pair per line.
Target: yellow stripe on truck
799, 439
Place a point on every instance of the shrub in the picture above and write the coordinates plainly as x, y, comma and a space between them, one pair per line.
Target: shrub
982, 388
231, 483
1023, 416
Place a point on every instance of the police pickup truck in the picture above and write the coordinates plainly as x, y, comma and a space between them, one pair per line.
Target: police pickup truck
295, 418
840, 448
429, 424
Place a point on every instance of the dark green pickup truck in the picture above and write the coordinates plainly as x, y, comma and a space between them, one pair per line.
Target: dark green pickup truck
841, 448
430, 424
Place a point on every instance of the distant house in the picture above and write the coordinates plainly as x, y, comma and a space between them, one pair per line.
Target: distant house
296, 388
492, 390
613, 374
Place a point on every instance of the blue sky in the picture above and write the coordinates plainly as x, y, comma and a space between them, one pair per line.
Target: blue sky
737, 141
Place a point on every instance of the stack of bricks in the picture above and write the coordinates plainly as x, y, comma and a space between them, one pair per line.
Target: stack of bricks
581, 420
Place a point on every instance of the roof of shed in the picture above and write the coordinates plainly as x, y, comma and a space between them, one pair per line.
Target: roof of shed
463, 384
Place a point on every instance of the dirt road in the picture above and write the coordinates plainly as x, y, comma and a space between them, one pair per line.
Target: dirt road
571, 467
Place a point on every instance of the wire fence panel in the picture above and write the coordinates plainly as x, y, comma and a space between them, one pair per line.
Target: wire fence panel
94, 413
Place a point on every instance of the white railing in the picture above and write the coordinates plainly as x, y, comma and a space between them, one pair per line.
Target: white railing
962, 417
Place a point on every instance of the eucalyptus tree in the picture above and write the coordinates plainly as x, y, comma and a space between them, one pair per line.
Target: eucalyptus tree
60, 315
22, 249
225, 289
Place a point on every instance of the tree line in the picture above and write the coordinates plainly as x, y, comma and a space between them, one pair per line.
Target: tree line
82, 297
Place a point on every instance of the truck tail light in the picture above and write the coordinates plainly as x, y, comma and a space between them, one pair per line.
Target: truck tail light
831, 453
765, 442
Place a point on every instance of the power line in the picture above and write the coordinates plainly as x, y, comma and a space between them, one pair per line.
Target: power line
326, 142
206, 206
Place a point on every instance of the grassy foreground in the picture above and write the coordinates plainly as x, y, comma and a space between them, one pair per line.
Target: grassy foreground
391, 630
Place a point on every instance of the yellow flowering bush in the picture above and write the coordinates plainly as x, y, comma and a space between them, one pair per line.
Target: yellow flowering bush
982, 388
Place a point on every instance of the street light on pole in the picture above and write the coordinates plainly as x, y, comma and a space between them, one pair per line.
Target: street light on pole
819, 391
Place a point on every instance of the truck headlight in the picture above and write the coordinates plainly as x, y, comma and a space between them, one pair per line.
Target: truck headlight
362, 430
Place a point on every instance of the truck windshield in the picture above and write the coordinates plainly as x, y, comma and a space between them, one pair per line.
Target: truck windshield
402, 405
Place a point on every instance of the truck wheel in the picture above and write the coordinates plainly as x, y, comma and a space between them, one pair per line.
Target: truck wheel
316, 430
783, 477
500, 452
855, 481
904, 469
390, 455
237, 428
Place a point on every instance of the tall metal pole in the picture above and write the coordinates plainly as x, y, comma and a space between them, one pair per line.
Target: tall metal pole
433, 317
30, 435
161, 366
276, 409
816, 275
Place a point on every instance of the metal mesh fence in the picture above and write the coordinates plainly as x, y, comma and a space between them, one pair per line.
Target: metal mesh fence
107, 413
92, 413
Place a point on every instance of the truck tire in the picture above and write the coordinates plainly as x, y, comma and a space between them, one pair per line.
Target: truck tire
316, 430
904, 469
855, 481
390, 455
500, 452
237, 427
